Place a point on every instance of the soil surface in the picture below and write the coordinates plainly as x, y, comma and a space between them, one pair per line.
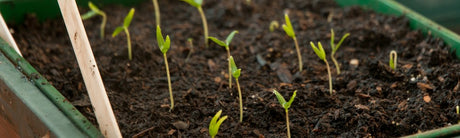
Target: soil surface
369, 99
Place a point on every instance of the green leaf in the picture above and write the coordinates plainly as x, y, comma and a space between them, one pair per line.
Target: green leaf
332, 41
341, 40
217, 41
194, 3
235, 71
288, 26
89, 14
162, 43
160, 38
319, 52
280, 98
117, 31
215, 123
94, 8
288, 104
166, 45
230, 37
128, 18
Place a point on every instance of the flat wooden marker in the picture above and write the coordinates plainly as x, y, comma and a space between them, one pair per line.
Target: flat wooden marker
88, 67
6, 35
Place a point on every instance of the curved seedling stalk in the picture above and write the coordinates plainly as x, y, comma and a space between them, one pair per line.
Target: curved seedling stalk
236, 74
96, 11
319, 51
197, 4
124, 27
164, 47
334, 48
290, 32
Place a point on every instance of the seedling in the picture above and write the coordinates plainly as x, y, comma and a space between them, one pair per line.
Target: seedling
226, 44
319, 51
274, 25
190, 43
236, 74
124, 27
197, 4
157, 11
164, 47
393, 59
290, 32
334, 48
96, 11
215, 124
286, 106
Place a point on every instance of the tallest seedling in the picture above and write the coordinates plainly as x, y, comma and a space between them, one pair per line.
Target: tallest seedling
197, 4
164, 47
290, 32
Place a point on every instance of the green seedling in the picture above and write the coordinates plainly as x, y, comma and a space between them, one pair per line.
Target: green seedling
190, 43
124, 27
226, 44
334, 48
393, 59
236, 74
286, 106
197, 4
319, 51
96, 11
157, 11
215, 124
290, 32
164, 47
274, 25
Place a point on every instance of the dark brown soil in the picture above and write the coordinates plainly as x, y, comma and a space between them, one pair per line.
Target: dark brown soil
369, 99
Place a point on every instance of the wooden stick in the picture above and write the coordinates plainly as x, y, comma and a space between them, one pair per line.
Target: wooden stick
89, 70
6, 35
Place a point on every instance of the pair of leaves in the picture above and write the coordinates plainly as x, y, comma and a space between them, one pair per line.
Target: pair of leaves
162, 43
227, 41
194, 3
288, 26
393, 59
235, 71
126, 23
336, 46
94, 11
215, 123
319, 51
283, 102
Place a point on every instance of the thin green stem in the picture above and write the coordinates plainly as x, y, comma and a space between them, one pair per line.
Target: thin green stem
330, 77
287, 124
104, 21
130, 56
241, 100
298, 54
157, 12
229, 69
335, 62
169, 82
205, 26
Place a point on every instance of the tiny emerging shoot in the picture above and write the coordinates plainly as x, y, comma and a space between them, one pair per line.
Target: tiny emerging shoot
236, 74
215, 124
226, 44
334, 48
286, 106
274, 25
124, 27
197, 4
290, 32
190, 43
393, 59
319, 51
157, 11
96, 11
164, 47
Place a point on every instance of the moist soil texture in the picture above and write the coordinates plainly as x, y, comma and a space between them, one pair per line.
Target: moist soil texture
369, 98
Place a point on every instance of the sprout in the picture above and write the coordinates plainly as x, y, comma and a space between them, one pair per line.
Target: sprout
157, 11
226, 44
290, 32
393, 59
274, 25
124, 27
190, 43
236, 74
197, 4
95, 11
164, 47
322, 55
286, 106
215, 124
334, 48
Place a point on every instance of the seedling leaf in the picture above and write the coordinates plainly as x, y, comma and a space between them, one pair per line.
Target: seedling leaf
163, 44
235, 71
217, 41
280, 98
215, 123
128, 18
88, 15
230, 37
288, 26
160, 38
194, 3
288, 104
393, 59
341, 40
319, 52
117, 31
166, 45
94, 8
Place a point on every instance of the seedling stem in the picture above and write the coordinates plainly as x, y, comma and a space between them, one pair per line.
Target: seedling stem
319, 51
236, 74
241, 100
169, 81
164, 45
226, 44
95, 10
290, 32
205, 25
124, 27
299, 56
334, 48
157, 11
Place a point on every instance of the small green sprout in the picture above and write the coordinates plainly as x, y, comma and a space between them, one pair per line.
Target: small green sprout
334, 48
157, 11
286, 106
197, 4
290, 32
274, 25
319, 51
96, 11
215, 124
190, 43
226, 44
164, 47
236, 74
393, 59
124, 27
